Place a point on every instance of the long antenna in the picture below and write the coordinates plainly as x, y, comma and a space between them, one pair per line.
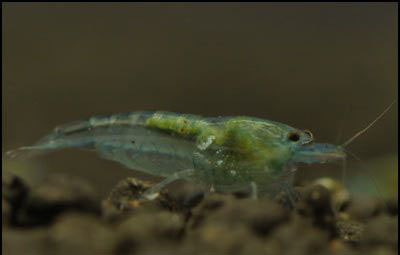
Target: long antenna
374, 183
370, 125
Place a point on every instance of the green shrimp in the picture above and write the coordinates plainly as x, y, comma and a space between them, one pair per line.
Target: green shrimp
221, 154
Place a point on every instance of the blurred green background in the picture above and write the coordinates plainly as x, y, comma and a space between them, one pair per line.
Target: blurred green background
327, 67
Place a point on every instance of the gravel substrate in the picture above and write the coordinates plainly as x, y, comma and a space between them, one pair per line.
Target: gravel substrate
63, 215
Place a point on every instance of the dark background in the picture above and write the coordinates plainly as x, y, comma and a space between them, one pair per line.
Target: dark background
327, 67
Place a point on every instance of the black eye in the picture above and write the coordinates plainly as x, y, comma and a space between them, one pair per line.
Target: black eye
294, 137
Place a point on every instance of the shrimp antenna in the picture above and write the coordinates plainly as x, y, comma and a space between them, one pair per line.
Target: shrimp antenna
370, 125
370, 173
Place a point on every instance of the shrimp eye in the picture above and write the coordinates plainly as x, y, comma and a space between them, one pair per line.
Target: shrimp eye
294, 137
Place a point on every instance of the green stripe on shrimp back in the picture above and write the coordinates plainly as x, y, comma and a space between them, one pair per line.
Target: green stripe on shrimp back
186, 126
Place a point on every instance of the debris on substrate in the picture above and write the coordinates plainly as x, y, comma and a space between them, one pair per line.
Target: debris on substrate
63, 216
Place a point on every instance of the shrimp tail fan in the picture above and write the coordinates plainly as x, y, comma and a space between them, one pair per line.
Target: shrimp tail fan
69, 135
27, 152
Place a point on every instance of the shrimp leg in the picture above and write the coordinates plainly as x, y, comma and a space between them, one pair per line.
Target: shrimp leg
153, 192
254, 193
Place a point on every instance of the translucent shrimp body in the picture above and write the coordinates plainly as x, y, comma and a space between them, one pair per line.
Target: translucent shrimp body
222, 153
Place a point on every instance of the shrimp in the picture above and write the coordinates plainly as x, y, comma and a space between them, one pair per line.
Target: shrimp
222, 154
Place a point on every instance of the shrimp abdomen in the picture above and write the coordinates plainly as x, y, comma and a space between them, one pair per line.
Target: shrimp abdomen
124, 138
